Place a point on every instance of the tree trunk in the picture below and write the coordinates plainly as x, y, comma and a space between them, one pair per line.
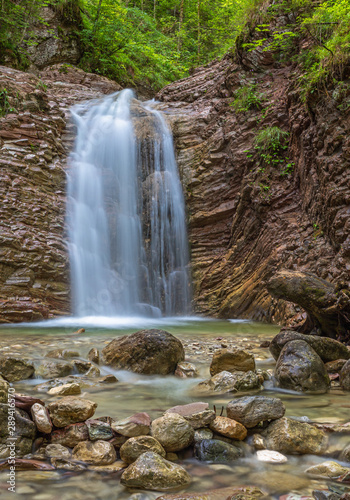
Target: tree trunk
181, 18
97, 17
327, 307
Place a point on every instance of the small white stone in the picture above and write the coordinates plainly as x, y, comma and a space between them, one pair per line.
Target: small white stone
41, 418
271, 456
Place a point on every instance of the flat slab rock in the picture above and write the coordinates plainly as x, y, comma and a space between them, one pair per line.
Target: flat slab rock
151, 352
197, 414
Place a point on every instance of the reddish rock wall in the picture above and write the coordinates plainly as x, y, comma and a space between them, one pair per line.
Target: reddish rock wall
34, 271
247, 222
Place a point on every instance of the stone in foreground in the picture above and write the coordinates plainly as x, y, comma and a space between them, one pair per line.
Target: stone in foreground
153, 472
149, 352
172, 431
136, 425
71, 410
295, 438
300, 368
230, 382
329, 469
65, 390
14, 369
229, 428
231, 360
41, 418
197, 414
71, 435
213, 450
24, 432
136, 446
328, 349
57, 451
270, 456
96, 453
251, 410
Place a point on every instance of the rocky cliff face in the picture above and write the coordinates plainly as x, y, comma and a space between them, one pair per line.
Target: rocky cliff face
249, 219
34, 281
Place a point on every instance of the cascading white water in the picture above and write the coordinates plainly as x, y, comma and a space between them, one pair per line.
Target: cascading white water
126, 218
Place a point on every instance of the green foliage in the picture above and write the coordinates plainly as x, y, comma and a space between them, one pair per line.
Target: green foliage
41, 85
271, 139
5, 106
270, 144
156, 42
247, 97
328, 27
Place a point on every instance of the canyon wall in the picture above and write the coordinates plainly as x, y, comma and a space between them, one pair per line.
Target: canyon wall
34, 142
249, 219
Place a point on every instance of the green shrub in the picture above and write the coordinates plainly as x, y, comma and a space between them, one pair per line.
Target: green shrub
246, 98
270, 144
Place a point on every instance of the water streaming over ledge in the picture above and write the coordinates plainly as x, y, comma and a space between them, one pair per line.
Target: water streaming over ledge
126, 219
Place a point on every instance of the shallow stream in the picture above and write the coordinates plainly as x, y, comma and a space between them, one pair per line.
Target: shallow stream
135, 393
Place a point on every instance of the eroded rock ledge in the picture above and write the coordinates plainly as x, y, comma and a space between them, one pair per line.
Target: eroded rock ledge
246, 223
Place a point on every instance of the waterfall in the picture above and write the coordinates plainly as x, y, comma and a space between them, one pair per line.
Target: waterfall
126, 225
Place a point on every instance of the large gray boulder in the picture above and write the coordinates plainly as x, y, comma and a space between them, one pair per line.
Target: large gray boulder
146, 351
299, 368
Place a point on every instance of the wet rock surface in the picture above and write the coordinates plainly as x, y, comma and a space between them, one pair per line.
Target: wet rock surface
70, 410
213, 450
299, 368
147, 351
234, 360
22, 431
292, 437
229, 428
151, 471
344, 376
134, 447
231, 382
328, 349
251, 410
96, 453
172, 431
15, 369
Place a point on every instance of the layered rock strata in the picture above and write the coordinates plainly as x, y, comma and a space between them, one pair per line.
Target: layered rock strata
34, 270
248, 219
